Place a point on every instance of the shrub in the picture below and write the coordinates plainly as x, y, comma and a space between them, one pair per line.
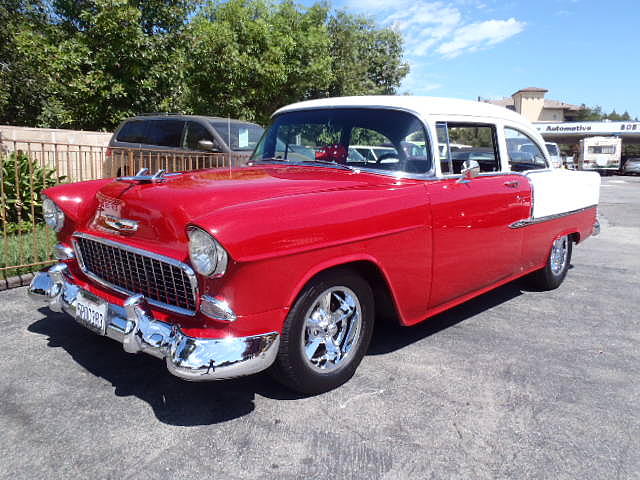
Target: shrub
23, 180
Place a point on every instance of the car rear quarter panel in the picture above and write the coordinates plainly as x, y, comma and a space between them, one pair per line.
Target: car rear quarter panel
538, 237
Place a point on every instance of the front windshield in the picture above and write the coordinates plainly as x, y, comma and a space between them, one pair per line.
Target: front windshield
363, 138
238, 136
552, 148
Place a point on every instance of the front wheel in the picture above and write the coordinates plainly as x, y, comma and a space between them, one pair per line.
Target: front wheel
551, 276
326, 334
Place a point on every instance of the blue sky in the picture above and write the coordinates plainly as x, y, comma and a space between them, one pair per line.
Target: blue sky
582, 51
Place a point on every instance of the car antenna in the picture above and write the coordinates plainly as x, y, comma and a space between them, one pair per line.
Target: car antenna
229, 140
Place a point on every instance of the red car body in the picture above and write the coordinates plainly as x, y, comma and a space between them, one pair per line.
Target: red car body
276, 249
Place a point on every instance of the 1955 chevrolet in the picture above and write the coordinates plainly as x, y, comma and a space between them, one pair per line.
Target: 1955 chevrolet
287, 262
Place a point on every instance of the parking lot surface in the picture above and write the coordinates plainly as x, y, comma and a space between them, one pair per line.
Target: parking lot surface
514, 384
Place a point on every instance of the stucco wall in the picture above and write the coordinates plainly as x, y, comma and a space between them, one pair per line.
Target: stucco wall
530, 105
10, 134
552, 115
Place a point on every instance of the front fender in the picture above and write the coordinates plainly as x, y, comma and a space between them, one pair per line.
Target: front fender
78, 202
280, 244
292, 225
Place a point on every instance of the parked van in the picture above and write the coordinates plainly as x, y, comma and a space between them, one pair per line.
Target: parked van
600, 153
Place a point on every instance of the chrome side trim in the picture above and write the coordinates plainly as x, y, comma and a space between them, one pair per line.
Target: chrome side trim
191, 275
190, 358
533, 221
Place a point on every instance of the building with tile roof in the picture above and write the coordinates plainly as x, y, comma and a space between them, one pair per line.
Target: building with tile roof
532, 104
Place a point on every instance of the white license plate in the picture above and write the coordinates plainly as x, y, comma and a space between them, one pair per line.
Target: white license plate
91, 311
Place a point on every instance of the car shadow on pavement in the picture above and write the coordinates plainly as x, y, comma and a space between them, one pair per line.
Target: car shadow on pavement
181, 403
174, 401
389, 336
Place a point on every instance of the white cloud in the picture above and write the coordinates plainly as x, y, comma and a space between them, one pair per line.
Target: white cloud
424, 24
437, 27
476, 36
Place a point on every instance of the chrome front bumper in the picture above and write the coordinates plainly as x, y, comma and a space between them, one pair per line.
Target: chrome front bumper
133, 325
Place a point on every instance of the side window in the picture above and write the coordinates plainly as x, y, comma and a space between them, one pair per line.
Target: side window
194, 133
459, 142
524, 153
165, 133
132, 132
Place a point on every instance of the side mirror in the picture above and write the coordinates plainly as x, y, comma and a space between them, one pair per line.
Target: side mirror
206, 145
470, 169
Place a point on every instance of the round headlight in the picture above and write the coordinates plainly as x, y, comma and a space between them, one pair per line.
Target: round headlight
53, 215
207, 255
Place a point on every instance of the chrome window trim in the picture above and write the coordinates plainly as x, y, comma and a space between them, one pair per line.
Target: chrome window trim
532, 221
191, 275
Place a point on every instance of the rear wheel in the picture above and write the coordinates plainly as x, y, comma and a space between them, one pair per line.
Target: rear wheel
326, 334
552, 275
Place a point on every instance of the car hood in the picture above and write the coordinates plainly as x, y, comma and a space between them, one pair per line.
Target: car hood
161, 211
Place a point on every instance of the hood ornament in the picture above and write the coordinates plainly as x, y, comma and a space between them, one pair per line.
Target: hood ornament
143, 176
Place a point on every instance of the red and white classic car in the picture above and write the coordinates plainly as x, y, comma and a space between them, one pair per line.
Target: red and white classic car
286, 263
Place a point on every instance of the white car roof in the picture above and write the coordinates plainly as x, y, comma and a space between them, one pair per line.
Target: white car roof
424, 106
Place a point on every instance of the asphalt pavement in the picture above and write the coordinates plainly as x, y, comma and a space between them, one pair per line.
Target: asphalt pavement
515, 384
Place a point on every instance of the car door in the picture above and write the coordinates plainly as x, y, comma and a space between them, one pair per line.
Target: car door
473, 244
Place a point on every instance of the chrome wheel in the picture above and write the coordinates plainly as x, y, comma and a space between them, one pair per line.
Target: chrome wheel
559, 254
332, 328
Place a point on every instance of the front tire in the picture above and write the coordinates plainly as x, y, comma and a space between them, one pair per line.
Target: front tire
552, 275
326, 333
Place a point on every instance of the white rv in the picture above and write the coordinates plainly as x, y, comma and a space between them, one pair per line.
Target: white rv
600, 153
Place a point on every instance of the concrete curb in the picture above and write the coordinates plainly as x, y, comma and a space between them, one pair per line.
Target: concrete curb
17, 281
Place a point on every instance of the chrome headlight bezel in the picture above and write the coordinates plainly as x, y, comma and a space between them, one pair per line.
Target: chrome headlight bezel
52, 214
207, 256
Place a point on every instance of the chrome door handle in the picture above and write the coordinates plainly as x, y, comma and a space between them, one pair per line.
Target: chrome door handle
512, 184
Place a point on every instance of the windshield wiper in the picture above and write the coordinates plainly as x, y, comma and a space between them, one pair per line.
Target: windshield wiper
328, 162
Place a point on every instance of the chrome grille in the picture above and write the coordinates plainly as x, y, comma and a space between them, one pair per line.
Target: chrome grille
163, 281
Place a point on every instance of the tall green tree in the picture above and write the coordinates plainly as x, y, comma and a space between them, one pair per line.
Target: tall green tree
23, 82
366, 59
120, 58
596, 114
90, 63
249, 57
